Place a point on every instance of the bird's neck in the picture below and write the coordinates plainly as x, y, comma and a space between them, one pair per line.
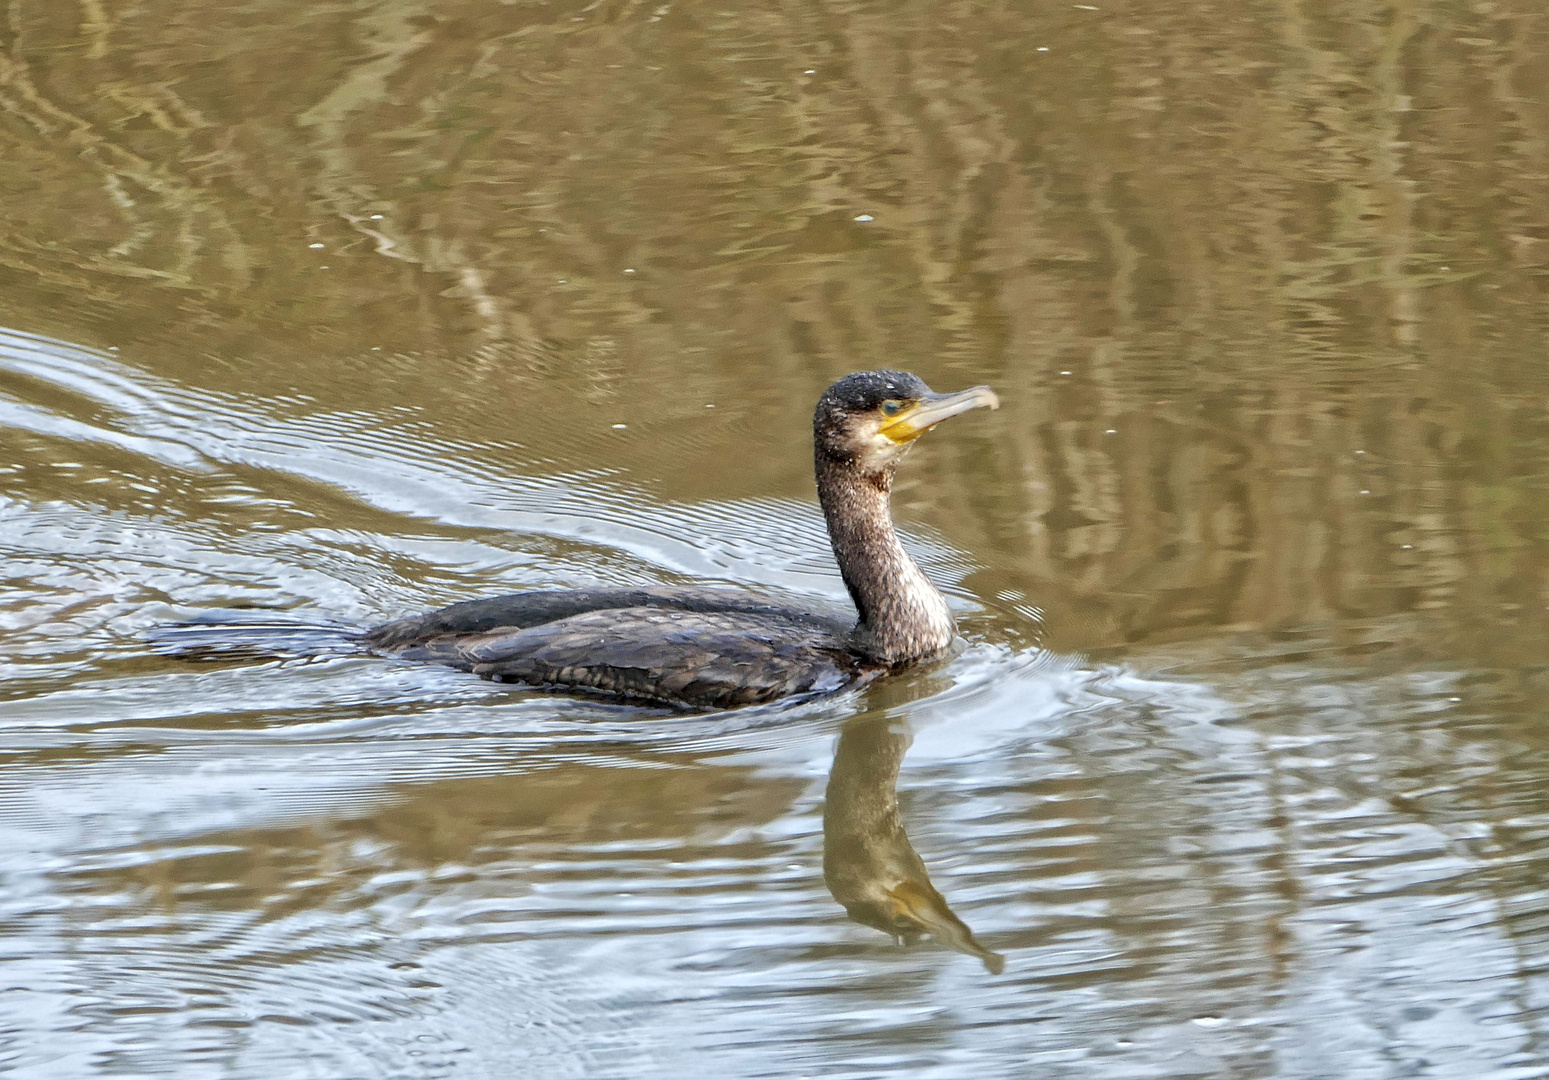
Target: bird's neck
902, 615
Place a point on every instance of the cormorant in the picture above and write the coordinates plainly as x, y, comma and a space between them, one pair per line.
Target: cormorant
704, 648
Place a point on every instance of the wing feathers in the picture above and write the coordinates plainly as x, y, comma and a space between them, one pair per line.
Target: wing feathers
703, 659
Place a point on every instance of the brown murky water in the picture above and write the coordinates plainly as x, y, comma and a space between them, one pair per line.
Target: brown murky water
347, 310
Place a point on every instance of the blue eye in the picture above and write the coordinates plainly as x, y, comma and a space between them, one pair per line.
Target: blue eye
892, 407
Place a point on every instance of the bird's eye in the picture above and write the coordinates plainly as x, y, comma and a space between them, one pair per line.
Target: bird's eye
892, 407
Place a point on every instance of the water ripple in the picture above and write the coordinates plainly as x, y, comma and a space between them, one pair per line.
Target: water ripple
1189, 861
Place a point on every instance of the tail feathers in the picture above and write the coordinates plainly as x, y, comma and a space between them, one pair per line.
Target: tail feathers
242, 634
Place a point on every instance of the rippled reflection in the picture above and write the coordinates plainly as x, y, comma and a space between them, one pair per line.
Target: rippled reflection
868, 863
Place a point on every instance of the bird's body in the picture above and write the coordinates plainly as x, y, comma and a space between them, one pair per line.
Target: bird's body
699, 647
718, 648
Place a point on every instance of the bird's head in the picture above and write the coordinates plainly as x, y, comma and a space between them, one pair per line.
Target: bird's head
871, 418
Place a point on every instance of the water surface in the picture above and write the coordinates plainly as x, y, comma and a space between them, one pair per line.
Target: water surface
340, 313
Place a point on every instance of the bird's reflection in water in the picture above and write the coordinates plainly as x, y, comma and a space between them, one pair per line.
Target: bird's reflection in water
868, 862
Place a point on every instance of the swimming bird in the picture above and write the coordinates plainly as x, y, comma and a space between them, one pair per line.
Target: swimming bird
714, 648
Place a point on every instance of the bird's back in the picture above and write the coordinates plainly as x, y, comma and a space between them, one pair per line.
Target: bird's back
694, 647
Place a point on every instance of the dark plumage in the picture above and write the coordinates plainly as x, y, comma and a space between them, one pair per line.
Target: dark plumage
718, 648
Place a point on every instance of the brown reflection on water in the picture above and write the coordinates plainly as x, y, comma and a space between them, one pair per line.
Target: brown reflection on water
1263, 293
868, 862
466, 828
